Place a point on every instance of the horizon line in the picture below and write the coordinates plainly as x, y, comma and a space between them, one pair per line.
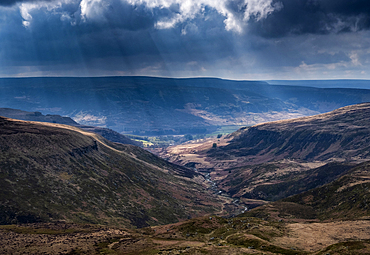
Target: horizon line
182, 78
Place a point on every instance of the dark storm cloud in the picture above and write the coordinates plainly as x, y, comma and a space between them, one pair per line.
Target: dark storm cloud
122, 30
314, 17
12, 2
345, 7
116, 37
121, 38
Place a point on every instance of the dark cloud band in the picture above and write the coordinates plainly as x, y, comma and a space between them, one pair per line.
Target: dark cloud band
314, 17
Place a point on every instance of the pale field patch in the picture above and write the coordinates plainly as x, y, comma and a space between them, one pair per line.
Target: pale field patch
315, 236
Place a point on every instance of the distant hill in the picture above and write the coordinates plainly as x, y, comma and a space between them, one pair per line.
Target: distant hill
36, 116
353, 84
155, 106
109, 134
55, 172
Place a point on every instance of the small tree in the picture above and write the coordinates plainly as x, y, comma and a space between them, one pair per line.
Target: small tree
188, 137
214, 145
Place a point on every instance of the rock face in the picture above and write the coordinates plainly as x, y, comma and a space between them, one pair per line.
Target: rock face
342, 134
57, 172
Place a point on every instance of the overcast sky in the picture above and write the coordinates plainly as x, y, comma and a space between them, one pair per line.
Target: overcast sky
235, 39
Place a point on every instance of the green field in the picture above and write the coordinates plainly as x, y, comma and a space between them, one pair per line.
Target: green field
168, 140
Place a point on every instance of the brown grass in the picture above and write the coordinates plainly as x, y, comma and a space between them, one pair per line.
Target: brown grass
316, 236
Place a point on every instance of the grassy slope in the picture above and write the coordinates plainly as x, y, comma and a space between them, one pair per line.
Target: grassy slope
52, 173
